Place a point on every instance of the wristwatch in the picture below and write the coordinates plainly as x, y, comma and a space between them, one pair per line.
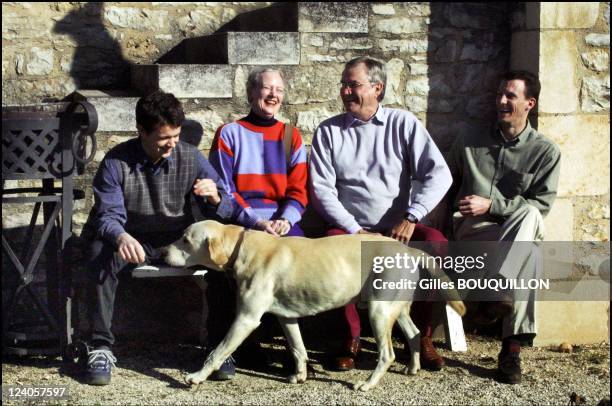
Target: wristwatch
411, 218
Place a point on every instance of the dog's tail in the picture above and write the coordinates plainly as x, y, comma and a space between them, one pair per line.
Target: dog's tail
450, 295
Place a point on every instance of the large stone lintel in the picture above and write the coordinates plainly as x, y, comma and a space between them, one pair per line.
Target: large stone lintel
116, 109
185, 81
244, 48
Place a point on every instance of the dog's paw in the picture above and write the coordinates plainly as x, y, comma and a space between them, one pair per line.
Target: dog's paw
297, 378
362, 386
193, 379
410, 370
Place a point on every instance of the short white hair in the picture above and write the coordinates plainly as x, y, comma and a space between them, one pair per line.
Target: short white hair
254, 79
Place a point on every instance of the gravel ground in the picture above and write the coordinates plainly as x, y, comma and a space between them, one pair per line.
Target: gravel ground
151, 373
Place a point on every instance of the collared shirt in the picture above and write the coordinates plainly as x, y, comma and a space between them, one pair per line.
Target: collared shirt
109, 215
370, 174
524, 170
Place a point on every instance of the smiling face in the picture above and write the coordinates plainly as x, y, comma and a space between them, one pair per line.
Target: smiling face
513, 105
266, 99
359, 95
159, 143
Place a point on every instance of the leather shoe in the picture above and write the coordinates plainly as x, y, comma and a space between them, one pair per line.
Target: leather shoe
345, 361
509, 368
489, 312
430, 359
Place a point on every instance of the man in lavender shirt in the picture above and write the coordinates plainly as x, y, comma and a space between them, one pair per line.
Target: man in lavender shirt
376, 170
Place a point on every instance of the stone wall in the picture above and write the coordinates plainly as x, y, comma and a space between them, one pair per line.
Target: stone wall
568, 44
444, 60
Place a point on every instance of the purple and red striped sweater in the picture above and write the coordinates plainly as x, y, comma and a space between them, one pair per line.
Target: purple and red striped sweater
251, 162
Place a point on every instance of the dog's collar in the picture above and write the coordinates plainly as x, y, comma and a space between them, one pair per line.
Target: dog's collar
234, 256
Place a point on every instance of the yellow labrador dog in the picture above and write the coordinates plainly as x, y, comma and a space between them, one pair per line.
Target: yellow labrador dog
291, 278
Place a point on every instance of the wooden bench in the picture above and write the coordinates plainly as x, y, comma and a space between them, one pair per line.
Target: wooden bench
453, 325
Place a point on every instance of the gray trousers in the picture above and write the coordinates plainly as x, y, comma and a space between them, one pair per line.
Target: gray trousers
516, 261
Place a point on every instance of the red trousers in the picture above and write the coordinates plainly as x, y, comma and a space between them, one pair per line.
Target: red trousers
420, 312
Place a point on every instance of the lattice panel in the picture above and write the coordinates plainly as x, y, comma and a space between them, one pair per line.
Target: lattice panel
27, 150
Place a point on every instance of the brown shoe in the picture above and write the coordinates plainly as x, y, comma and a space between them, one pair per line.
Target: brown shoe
430, 359
345, 361
489, 312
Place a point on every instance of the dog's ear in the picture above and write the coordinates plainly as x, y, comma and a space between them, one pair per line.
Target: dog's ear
217, 253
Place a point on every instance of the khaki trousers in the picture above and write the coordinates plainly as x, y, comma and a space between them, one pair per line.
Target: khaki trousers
515, 261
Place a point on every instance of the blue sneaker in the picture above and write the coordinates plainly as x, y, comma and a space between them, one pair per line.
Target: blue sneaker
226, 372
99, 365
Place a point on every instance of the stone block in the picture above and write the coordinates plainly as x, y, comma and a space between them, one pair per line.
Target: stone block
525, 51
402, 25
136, 18
417, 69
559, 223
314, 83
568, 15
584, 141
480, 52
416, 104
116, 110
581, 322
184, 81
418, 86
41, 61
332, 17
395, 68
409, 46
351, 42
595, 94
597, 60
263, 48
245, 48
598, 40
383, 9
413, 9
308, 121
558, 60
208, 121
474, 15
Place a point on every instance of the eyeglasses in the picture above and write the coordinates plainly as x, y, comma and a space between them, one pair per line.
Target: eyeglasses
350, 85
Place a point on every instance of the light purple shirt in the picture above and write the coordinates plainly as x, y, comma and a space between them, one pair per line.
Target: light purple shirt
370, 174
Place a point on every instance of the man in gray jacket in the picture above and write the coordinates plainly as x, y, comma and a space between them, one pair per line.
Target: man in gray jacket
505, 182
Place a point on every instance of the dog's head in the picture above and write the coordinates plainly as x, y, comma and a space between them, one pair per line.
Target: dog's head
206, 243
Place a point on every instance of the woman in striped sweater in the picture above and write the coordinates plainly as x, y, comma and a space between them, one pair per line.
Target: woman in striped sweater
270, 193
249, 155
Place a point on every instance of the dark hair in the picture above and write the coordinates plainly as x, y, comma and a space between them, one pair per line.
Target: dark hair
377, 73
532, 83
158, 109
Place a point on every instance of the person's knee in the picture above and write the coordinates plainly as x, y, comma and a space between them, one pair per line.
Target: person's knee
424, 233
532, 212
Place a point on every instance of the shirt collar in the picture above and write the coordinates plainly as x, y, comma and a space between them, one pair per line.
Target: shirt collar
520, 138
380, 118
142, 159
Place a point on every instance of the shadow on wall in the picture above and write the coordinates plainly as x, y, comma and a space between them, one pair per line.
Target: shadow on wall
98, 60
464, 67
208, 49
